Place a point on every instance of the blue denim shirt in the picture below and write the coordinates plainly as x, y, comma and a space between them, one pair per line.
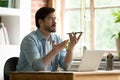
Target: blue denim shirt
32, 50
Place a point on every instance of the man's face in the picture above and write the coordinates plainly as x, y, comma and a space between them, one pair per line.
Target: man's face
49, 23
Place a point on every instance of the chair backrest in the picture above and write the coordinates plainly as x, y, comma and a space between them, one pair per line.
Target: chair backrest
10, 65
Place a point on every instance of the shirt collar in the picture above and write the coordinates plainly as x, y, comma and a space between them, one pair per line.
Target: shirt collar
41, 36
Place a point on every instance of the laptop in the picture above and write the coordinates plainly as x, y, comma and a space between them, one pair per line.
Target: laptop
91, 60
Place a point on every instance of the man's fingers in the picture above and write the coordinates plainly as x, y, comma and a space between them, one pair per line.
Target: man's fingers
79, 36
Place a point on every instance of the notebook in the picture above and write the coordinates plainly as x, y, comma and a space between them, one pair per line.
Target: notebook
91, 60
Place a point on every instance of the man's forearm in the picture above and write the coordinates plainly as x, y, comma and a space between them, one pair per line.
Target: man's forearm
69, 55
48, 58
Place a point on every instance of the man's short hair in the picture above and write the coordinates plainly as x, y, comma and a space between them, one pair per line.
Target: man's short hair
42, 13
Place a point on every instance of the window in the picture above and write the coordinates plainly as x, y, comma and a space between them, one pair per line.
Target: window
98, 21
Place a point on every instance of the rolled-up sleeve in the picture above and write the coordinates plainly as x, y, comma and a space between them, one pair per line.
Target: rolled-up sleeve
38, 65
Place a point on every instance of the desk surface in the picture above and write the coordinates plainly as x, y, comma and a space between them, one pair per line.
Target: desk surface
66, 75
69, 72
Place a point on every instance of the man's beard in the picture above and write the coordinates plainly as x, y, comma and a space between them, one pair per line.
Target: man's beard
47, 28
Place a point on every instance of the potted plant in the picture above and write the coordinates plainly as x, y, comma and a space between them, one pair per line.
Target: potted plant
117, 35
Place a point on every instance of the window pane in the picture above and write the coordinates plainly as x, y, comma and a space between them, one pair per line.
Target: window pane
72, 21
72, 3
87, 3
106, 2
105, 27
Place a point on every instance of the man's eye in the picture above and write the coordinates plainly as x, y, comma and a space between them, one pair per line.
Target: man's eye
52, 19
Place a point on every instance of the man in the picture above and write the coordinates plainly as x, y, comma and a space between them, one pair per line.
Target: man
42, 49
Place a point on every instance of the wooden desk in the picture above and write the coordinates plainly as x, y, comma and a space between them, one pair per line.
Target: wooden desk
94, 75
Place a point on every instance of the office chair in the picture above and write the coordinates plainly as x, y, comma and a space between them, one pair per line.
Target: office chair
10, 65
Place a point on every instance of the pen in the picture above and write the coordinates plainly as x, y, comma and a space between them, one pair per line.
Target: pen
76, 32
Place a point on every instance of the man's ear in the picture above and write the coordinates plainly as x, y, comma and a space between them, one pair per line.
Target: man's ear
40, 22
